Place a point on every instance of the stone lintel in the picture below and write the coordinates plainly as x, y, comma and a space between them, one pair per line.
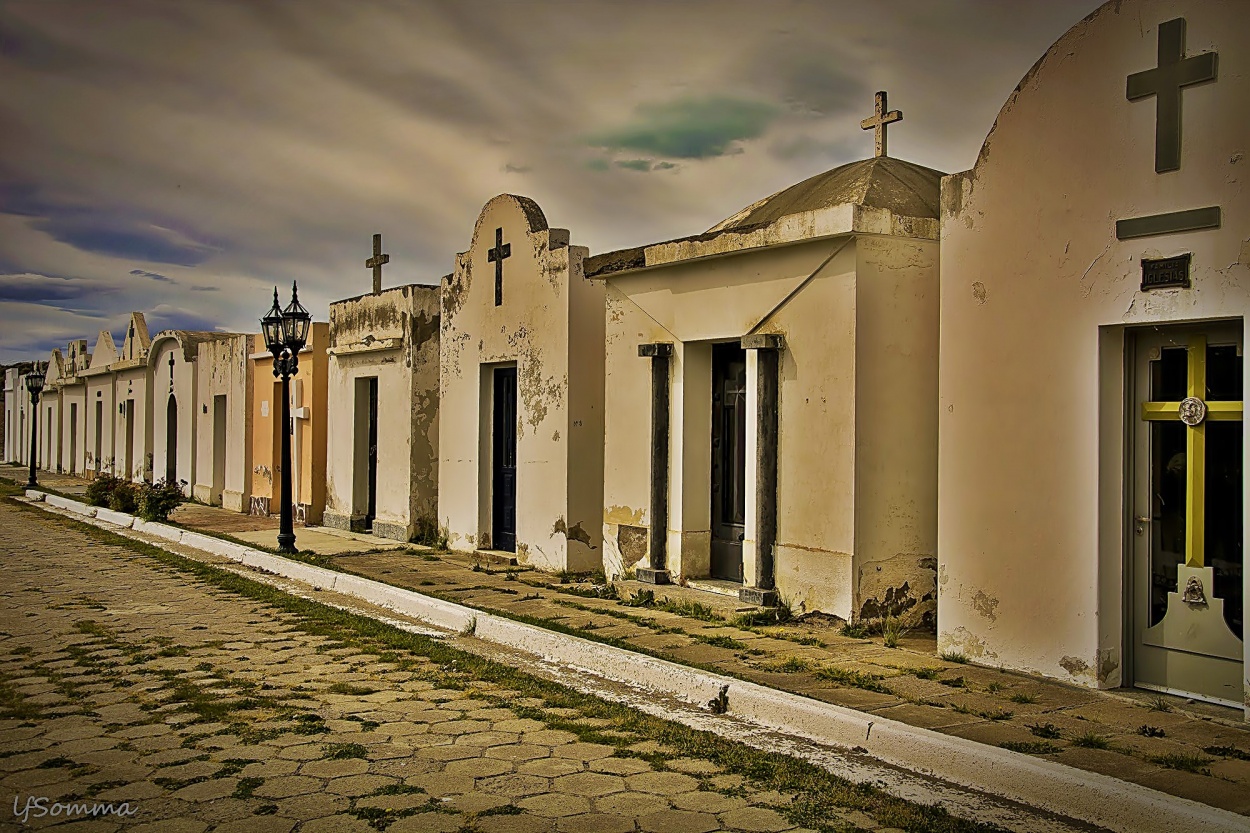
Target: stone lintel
764, 341
660, 349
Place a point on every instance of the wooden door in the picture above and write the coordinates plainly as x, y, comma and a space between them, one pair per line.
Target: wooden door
503, 460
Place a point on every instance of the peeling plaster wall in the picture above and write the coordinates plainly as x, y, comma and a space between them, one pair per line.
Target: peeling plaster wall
394, 337
224, 370
1036, 296
896, 394
550, 326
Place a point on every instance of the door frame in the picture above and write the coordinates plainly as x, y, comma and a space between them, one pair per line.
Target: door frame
1132, 356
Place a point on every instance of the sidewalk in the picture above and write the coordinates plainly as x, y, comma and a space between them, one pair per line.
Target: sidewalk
1184, 748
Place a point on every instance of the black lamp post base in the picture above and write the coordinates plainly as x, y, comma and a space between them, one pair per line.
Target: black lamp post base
286, 543
32, 484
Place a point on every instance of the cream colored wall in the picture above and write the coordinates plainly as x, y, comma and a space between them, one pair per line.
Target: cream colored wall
73, 422
99, 389
185, 386
627, 431
781, 290
393, 336
224, 369
1036, 295
550, 326
134, 383
896, 405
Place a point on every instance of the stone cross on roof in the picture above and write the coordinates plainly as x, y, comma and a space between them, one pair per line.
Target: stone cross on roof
1165, 81
376, 262
878, 121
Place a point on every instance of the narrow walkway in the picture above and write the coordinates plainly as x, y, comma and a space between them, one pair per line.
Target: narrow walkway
1188, 749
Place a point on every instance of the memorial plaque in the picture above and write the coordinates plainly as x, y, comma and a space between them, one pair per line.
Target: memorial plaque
1166, 273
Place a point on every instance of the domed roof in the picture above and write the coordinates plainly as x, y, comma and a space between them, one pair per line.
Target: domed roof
904, 188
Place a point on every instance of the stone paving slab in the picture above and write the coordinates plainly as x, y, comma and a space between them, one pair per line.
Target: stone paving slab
812, 658
203, 742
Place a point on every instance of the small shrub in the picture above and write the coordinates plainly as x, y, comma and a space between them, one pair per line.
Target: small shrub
1035, 747
1146, 730
954, 682
643, 598
955, 656
857, 631
998, 714
720, 641
124, 498
926, 673
791, 665
1229, 751
892, 630
429, 533
158, 500
1045, 730
1160, 704
1092, 740
101, 489
994, 688
855, 679
1185, 763
1023, 697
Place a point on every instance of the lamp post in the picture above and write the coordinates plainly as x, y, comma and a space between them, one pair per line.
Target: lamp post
286, 333
34, 384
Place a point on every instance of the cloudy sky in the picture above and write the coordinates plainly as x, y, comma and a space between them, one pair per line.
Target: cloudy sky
180, 158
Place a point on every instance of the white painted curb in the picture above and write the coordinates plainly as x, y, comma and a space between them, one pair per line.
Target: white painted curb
120, 518
35, 494
69, 505
1047, 785
170, 533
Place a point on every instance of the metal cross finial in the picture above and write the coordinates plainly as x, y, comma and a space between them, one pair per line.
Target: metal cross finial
375, 263
878, 121
496, 256
1165, 82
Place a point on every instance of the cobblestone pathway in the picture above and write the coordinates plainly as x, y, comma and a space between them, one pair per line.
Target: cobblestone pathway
210, 702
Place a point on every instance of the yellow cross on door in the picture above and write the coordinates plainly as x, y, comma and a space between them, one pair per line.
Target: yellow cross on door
1194, 412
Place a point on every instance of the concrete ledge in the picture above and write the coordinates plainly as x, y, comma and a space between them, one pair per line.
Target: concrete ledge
35, 494
70, 505
216, 546
119, 518
170, 533
392, 531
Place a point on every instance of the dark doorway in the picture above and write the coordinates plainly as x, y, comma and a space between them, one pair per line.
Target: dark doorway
171, 440
371, 510
729, 451
129, 470
219, 448
99, 436
503, 461
73, 438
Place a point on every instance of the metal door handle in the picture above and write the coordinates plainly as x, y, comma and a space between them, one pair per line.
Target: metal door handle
1142, 520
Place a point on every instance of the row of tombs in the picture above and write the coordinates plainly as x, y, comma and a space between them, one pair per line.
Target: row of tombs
990, 399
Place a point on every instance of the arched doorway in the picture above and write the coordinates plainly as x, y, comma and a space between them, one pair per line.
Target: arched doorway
171, 440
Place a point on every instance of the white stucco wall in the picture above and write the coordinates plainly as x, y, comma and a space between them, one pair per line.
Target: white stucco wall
393, 336
1037, 295
223, 369
132, 381
550, 325
184, 389
857, 424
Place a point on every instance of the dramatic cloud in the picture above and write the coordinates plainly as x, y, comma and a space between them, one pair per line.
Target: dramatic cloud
182, 158
688, 128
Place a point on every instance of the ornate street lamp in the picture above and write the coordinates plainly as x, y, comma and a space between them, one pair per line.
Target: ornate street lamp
286, 333
34, 384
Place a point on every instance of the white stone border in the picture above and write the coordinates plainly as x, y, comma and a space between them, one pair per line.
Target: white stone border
1117, 805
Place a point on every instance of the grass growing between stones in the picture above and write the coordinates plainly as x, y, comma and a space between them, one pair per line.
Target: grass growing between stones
817, 794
